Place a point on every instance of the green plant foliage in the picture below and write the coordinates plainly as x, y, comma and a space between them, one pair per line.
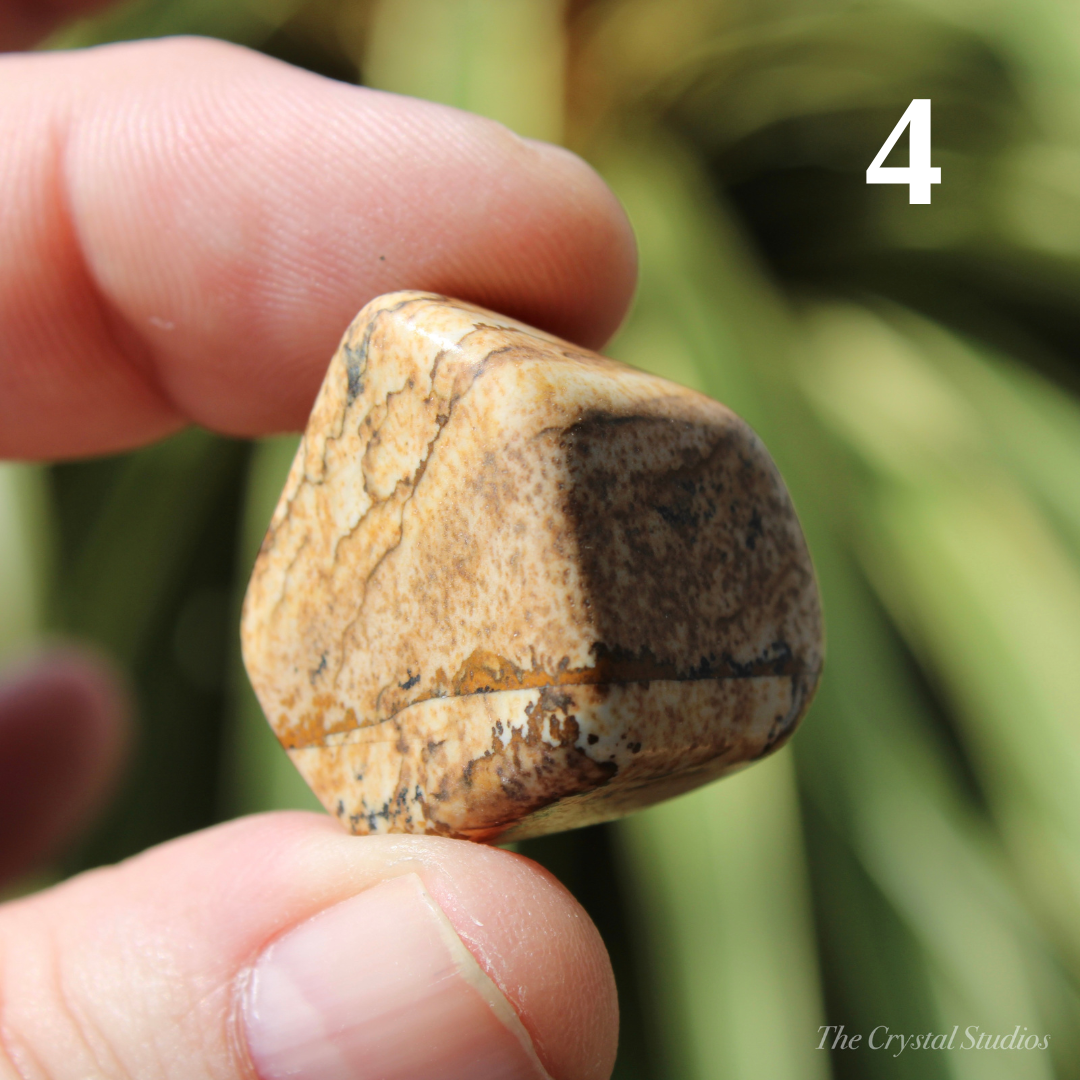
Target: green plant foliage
146, 559
257, 774
26, 541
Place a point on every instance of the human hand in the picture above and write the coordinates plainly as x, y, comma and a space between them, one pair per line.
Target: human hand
185, 230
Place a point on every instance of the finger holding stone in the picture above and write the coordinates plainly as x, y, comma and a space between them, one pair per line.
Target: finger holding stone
188, 227
277, 946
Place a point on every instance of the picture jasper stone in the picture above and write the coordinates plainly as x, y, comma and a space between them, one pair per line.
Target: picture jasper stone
513, 587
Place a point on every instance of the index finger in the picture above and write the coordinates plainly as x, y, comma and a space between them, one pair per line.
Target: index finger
187, 228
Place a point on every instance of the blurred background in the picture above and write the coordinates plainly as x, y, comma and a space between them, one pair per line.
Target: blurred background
913, 858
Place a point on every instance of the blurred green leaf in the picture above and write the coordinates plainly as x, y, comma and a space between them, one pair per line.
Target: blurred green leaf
499, 58
146, 554
974, 574
247, 22
26, 555
720, 891
129, 556
258, 774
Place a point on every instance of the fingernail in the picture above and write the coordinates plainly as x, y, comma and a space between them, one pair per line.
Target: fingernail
380, 986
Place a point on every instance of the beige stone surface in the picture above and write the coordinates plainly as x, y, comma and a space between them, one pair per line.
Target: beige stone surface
513, 586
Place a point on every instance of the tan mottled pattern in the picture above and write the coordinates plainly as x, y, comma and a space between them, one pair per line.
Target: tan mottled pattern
513, 587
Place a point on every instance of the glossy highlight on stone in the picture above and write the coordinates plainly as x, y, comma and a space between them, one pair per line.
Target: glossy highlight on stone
513, 587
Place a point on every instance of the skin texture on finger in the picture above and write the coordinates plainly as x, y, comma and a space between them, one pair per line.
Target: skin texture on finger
188, 227
139, 970
63, 735
25, 22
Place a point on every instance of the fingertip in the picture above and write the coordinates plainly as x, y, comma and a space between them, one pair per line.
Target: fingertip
537, 943
198, 238
595, 226
278, 946
523, 927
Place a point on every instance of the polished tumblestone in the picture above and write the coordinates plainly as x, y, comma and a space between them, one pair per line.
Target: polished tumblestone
513, 587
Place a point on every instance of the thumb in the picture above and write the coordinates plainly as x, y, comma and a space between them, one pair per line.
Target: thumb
276, 946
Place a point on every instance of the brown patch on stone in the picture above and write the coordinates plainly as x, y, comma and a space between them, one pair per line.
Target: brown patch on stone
514, 779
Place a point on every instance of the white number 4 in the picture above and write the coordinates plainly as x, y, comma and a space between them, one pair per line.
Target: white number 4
918, 175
